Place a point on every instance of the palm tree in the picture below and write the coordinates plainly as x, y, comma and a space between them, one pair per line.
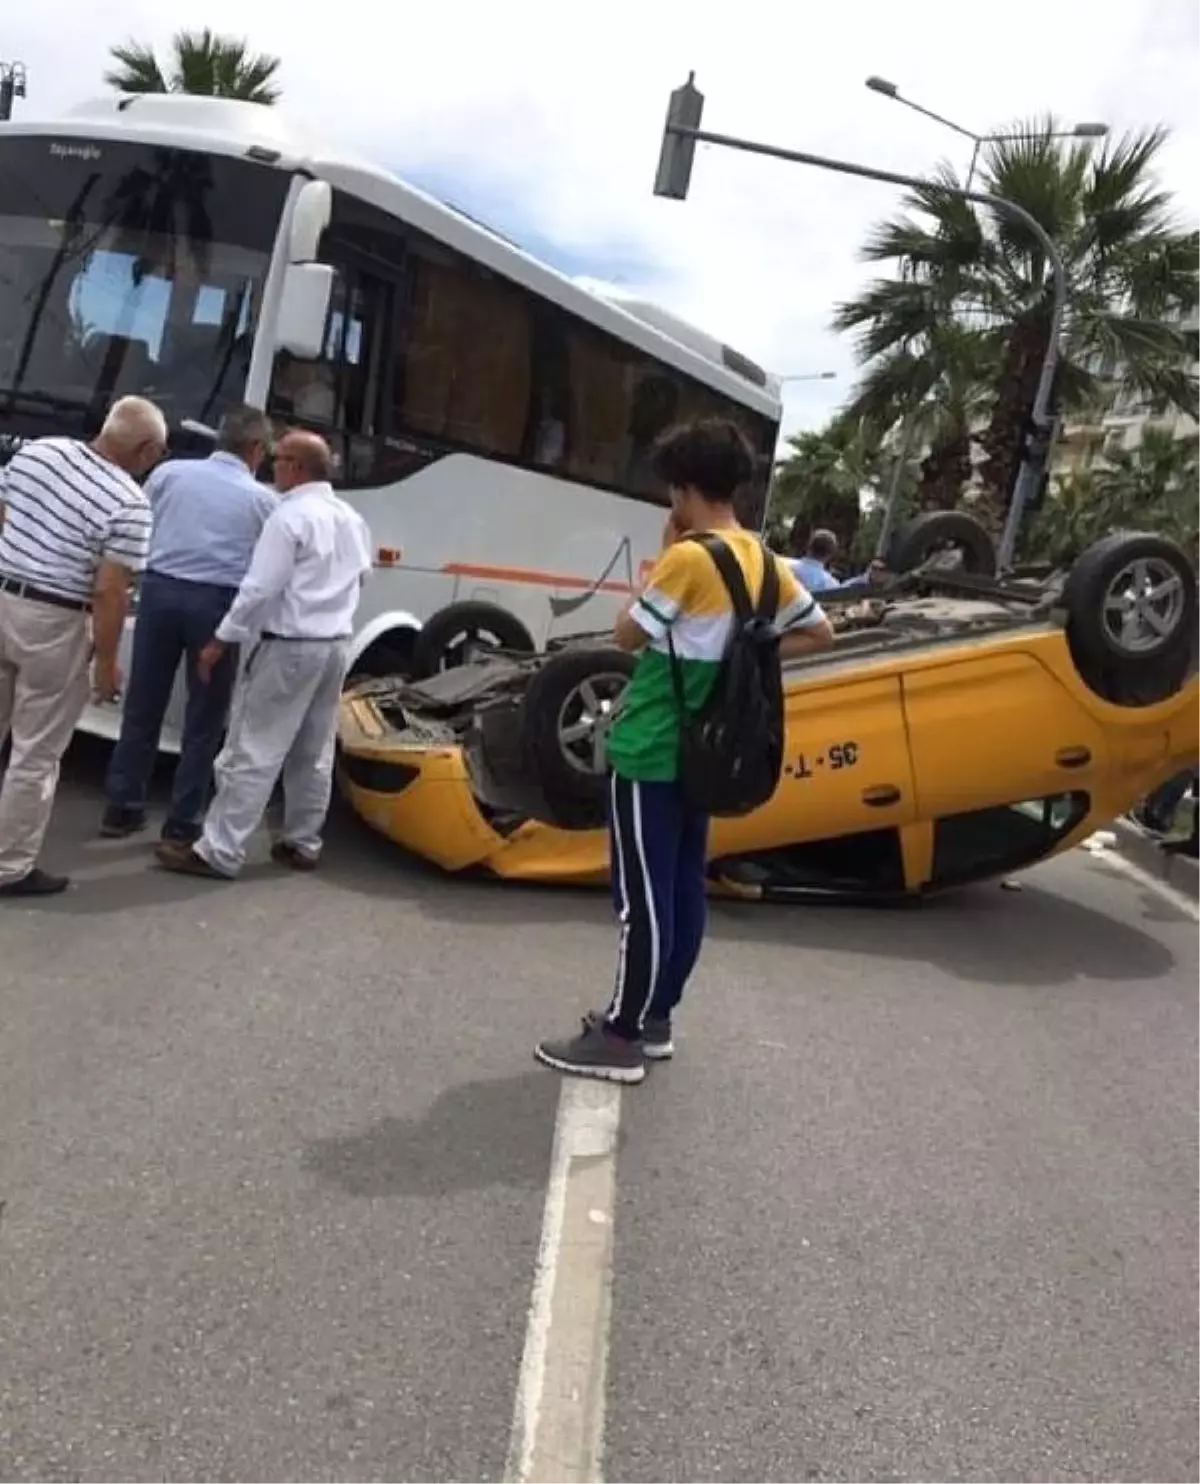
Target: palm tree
201, 62
822, 479
1131, 272
1150, 487
941, 399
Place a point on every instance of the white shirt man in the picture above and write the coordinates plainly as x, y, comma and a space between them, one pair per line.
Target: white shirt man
295, 613
75, 533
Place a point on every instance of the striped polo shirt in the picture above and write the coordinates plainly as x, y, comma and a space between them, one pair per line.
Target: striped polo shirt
67, 509
686, 597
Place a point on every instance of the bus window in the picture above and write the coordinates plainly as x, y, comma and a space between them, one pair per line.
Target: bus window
655, 407
465, 367
601, 373
548, 431
342, 388
362, 354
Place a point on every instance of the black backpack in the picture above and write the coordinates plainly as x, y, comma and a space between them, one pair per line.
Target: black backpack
731, 749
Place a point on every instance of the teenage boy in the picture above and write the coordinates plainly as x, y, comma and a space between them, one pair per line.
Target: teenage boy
658, 845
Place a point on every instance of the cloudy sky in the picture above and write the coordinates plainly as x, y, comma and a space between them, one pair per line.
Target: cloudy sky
547, 120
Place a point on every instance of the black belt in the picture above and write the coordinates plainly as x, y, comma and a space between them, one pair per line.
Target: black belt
305, 638
21, 589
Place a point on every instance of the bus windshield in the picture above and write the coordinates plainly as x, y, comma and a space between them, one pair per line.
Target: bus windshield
129, 268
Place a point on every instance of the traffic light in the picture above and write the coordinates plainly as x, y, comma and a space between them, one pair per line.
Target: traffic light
675, 159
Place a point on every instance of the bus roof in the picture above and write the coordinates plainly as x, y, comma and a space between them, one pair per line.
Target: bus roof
267, 134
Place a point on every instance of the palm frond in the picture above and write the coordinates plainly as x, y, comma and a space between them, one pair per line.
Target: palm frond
203, 63
137, 69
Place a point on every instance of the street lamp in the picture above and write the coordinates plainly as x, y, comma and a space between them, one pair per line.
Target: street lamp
811, 376
886, 89
681, 134
12, 85
1087, 130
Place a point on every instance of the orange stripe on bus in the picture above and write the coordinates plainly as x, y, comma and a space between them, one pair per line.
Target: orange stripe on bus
537, 579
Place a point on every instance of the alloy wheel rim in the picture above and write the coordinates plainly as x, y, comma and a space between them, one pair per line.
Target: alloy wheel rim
1143, 605
584, 720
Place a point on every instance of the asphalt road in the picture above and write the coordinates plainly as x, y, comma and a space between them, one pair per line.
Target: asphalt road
917, 1199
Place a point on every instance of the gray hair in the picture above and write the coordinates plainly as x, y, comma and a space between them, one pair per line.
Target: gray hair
241, 428
132, 421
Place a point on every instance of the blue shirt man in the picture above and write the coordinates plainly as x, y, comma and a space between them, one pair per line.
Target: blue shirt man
207, 517
813, 575
812, 569
811, 565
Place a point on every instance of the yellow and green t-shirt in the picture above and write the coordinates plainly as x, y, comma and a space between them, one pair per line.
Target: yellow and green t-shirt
686, 597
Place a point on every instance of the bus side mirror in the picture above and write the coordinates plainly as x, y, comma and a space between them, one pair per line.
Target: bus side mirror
310, 217
304, 310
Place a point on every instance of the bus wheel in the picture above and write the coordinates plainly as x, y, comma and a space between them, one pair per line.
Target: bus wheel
390, 655
463, 632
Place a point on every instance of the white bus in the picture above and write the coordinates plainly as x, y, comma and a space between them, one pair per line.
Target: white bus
491, 418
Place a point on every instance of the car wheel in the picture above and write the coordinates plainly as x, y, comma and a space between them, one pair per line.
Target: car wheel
949, 538
463, 632
569, 707
1131, 604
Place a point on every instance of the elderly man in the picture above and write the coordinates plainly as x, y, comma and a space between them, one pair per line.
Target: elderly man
208, 514
76, 530
297, 602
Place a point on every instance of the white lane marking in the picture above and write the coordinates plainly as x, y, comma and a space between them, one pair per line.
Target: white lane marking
1137, 873
558, 1417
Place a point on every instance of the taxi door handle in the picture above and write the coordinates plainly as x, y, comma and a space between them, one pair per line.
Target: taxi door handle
881, 795
1073, 757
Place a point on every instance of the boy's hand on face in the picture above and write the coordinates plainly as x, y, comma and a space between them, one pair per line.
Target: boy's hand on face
673, 531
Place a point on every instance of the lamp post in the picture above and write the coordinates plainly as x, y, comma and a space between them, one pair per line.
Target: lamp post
1087, 130
12, 85
809, 376
681, 134
888, 89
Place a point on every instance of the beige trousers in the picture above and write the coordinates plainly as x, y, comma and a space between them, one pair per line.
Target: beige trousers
44, 654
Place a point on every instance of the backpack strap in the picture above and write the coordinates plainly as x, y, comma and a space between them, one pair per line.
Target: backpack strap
731, 573
735, 583
732, 576
768, 597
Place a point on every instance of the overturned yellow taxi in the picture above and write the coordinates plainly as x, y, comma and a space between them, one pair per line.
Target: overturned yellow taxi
961, 727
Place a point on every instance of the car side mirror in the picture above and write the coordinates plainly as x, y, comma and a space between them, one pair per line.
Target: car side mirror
304, 309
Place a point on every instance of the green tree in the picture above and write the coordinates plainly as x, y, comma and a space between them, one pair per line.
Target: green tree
824, 475
972, 278
1151, 487
201, 62
939, 398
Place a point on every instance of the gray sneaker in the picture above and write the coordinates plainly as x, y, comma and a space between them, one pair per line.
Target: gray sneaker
657, 1044
595, 1052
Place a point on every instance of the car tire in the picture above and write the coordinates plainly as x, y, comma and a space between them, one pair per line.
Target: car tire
1132, 650
446, 639
923, 536
566, 712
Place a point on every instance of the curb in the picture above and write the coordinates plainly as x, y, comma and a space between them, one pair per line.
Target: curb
1143, 848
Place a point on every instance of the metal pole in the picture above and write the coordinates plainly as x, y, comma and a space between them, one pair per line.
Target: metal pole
974, 162
890, 510
7, 88
1029, 475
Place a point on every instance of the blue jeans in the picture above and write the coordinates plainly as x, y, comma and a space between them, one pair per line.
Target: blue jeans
175, 620
658, 875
